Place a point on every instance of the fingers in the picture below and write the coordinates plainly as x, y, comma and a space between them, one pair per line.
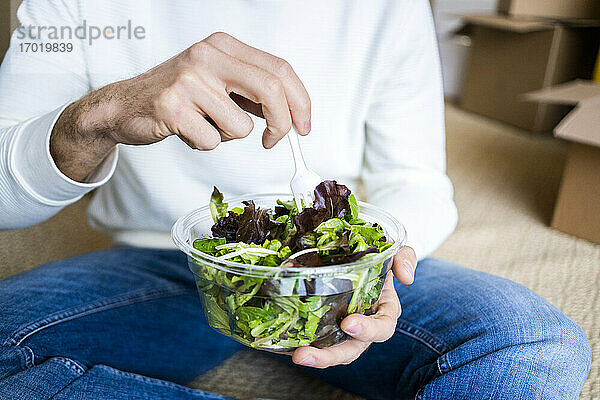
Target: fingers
202, 80
233, 122
380, 326
404, 265
195, 131
247, 105
363, 329
340, 354
296, 95
261, 87
184, 106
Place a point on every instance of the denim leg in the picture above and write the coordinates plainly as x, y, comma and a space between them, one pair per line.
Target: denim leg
113, 324
64, 379
465, 334
507, 342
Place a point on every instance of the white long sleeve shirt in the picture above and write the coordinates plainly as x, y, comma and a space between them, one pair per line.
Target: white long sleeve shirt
370, 67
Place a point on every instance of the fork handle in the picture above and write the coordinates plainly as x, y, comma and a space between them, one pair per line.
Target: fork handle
293, 136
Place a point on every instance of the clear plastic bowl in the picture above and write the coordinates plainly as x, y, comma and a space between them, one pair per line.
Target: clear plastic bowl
310, 300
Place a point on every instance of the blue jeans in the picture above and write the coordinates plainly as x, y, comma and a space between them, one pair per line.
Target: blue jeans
127, 324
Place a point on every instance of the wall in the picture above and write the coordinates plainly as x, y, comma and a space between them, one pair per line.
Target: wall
8, 21
5, 16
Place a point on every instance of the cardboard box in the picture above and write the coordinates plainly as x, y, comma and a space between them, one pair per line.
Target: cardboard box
596, 77
577, 208
454, 55
551, 8
454, 41
511, 56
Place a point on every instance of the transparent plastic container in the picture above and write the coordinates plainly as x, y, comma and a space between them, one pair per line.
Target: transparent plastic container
280, 309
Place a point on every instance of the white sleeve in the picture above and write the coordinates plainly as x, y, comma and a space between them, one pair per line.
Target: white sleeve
405, 143
34, 89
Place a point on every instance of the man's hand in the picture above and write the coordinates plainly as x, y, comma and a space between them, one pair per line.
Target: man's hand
200, 95
365, 330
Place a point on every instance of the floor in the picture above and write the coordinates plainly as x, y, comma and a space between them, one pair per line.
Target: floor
506, 182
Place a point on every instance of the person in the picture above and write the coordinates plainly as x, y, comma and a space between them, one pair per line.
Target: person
154, 119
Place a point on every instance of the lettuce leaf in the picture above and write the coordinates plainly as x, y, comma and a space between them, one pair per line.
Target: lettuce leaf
256, 225
342, 259
218, 209
309, 219
353, 207
208, 245
226, 227
331, 201
332, 197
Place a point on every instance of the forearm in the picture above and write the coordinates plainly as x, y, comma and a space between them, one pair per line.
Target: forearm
81, 137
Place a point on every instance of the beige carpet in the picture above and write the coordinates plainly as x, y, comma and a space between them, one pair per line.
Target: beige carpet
64, 235
506, 182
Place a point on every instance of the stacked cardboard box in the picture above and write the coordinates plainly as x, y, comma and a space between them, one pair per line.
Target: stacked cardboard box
577, 209
454, 41
551, 8
514, 54
539, 46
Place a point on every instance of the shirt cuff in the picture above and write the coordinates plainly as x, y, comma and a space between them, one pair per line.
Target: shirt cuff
35, 170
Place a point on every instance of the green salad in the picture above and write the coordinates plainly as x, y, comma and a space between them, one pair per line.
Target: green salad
278, 310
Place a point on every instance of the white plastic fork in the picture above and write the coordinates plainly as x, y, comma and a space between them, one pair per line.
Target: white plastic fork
304, 181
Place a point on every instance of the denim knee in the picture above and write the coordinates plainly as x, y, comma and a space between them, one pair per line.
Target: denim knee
513, 343
571, 346
545, 343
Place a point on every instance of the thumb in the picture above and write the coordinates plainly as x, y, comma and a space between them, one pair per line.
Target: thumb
404, 265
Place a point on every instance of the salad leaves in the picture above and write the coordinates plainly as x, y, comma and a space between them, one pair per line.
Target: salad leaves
218, 209
226, 227
256, 225
280, 312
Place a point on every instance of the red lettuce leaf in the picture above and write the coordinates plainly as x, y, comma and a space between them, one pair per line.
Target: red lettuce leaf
333, 197
226, 227
308, 260
256, 226
343, 259
309, 219
279, 211
331, 201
